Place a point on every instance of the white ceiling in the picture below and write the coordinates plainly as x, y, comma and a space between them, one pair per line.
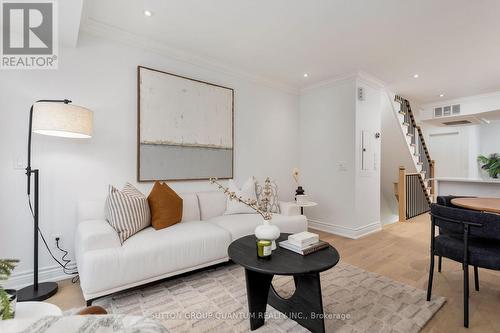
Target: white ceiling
452, 44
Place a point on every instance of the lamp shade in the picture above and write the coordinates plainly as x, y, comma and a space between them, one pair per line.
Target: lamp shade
60, 119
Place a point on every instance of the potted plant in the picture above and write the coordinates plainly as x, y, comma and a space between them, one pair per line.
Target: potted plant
491, 164
7, 296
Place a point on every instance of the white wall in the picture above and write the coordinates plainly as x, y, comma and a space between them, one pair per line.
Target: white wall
367, 190
489, 138
101, 75
331, 121
471, 141
327, 134
395, 152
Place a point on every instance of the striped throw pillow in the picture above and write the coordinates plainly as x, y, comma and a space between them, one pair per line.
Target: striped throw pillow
127, 211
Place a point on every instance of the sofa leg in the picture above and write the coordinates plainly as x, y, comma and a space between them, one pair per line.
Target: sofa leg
476, 278
89, 302
439, 263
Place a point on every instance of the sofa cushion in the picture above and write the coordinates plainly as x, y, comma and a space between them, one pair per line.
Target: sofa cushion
246, 192
153, 253
237, 225
190, 207
165, 205
212, 203
244, 224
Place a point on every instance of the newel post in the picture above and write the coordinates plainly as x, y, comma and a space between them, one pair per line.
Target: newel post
402, 194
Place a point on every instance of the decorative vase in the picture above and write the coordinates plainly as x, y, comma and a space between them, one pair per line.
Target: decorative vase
268, 231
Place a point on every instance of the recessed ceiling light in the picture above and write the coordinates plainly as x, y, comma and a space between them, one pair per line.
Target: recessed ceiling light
415, 76
306, 75
148, 13
441, 95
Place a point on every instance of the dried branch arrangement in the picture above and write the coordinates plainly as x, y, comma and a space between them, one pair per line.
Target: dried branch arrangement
249, 202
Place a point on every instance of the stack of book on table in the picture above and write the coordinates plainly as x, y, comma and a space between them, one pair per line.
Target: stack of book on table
304, 243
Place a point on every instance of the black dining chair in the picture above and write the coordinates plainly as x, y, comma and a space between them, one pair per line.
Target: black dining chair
468, 237
445, 200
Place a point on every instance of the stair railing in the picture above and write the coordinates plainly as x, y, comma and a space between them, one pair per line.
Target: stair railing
418, 141
415, 191
412, 195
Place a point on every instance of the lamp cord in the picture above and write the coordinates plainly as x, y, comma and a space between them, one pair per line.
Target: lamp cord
66, 261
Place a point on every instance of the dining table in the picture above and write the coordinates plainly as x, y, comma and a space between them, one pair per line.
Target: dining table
491, 205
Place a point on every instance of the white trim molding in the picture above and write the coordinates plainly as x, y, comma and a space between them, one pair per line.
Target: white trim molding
359, 75
340, 230
45, 274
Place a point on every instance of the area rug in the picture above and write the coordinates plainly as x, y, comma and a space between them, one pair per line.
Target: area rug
215, 300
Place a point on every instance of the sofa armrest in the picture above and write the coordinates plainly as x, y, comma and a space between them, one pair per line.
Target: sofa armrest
289, 208
95, 235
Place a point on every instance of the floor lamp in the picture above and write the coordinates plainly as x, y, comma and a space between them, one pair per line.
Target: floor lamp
55, 118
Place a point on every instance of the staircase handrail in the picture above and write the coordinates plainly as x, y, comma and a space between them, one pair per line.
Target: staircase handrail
413, 123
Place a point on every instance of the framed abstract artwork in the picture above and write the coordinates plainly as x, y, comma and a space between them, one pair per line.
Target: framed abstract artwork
185, 127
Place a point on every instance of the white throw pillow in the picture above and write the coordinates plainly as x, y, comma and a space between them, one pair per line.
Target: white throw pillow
247, 191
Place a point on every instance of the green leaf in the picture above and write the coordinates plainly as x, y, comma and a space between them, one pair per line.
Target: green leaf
482, 159
5, 310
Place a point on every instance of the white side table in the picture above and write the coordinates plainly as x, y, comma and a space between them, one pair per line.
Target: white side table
306, 204
30, 310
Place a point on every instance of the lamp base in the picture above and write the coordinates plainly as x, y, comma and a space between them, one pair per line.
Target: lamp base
44, 291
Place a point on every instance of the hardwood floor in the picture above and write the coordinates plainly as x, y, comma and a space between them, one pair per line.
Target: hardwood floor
401, 252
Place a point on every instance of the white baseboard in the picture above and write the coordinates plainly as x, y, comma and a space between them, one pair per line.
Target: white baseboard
353, 233
392, 220
45, 274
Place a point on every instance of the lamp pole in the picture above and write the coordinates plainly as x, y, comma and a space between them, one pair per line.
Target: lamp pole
37, 291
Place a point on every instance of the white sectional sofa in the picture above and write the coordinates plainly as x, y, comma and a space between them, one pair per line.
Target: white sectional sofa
201, 239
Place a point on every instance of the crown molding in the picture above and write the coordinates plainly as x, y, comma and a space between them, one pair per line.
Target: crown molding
354, 76
106, 31
371, 80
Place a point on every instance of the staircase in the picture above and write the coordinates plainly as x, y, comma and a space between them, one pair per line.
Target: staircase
414, 190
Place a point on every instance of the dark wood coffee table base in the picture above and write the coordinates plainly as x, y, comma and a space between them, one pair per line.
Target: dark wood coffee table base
305, 306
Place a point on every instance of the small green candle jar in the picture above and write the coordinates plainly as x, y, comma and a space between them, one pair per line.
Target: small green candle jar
264, 249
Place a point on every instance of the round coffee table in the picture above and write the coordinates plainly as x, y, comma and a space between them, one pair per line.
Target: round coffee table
305, 306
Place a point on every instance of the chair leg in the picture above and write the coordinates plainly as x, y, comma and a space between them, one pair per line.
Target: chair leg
431, 274
466, 295
439, 263
476, 278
